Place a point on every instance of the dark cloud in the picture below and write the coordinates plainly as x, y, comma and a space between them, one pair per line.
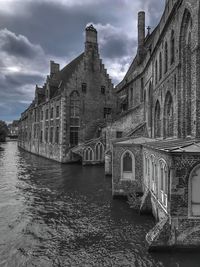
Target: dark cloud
41, 30
17, 45
20, 79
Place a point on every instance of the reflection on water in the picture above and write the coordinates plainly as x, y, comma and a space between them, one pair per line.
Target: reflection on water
64, 215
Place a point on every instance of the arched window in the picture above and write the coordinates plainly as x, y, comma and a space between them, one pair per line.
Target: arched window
160, 66
128, 165
166, 57
185, 128
156, 72
163, 185
194, 189
99, 152
74, 117
168, 116
88, 154
172, 41
157, 120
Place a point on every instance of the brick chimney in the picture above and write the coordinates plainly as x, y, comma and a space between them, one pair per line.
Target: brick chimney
91, 39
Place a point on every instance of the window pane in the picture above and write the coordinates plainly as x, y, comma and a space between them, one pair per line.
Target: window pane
196, 187
127, 163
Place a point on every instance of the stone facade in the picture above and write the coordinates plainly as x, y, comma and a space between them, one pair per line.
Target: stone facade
159, 100
72, 106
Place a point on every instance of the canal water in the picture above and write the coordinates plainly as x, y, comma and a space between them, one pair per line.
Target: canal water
64, 215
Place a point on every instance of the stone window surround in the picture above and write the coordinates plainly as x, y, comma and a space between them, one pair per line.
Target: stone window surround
133, 167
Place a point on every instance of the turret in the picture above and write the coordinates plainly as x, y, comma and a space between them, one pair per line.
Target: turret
91, 39
141, 34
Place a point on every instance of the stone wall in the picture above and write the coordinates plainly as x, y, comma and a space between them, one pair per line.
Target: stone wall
122, 186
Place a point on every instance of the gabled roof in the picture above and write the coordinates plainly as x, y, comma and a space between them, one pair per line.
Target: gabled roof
69, 69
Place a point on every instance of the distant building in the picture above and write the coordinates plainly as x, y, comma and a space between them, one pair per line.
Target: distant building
13, 129
71, 108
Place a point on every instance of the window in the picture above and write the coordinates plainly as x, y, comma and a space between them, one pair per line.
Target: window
157, 121
46, 135
52, 113
160, 66
74, 136
119, 134
84, 87
88, 154
74, 104
156, 72
194, 189
74, 118
51, 135
57, 111
168, 116
172, 47
107, 112
128, 165
166, 57
99, 152
42, 115
41, 136
57, 135
47, 114
103, 90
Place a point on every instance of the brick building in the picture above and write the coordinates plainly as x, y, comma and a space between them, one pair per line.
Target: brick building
154, 145
71, 107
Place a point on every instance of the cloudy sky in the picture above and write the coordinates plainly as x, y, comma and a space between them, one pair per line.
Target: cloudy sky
33, 32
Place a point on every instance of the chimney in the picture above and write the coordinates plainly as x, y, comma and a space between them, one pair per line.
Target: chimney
54, 67
141, 34
91, 38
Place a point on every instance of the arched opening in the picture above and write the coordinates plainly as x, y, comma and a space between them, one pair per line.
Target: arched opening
186, 73
194, 189
157, 120
128, 165
168, 116
74, 117
99, 152
88, 154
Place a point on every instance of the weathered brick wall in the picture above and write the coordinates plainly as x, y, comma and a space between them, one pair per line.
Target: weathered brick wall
182, 166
